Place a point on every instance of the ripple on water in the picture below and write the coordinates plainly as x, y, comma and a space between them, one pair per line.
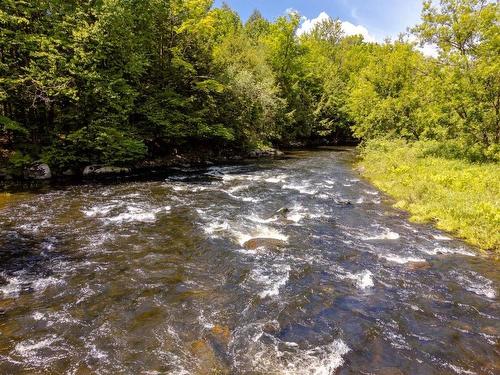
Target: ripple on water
400, 259
271, 279
388, 235
475, 283
363, 280
43, 352
257, 351
336, 271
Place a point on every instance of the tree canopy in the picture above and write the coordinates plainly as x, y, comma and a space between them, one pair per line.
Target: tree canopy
119, 81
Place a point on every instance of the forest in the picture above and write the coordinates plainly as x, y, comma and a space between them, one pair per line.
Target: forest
119, 81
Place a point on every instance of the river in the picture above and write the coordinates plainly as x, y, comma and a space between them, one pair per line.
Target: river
293, 266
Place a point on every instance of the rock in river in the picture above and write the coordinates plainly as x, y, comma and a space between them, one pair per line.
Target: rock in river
39, 172
93, 170
418, 266
268, 243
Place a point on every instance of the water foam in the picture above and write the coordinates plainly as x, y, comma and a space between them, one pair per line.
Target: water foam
363, 279
304, 188
476, 284
402, 259
389, 235
319, 360
30, 351
446, 250
272, 279
137, 214
440, 237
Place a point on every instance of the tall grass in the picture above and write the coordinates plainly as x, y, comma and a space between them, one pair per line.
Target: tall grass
458, 196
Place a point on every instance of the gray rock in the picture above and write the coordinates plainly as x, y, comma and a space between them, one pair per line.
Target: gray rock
93, 170
256, 154
39, 172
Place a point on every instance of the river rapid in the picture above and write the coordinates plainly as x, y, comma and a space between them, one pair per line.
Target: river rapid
293, 266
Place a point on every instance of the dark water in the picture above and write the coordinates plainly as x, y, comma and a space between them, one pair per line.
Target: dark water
156, 278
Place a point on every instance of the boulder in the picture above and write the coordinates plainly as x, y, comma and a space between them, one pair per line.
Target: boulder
283, 211
268, 243
39, 172
93, 170
271, 152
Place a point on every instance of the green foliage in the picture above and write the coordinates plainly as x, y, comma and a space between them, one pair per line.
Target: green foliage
17, 162
8, 125
460, 197
115, 81
95, 145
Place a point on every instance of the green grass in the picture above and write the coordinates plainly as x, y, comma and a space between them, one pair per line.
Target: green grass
459, 197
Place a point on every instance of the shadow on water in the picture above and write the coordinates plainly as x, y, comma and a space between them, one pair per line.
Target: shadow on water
25, 260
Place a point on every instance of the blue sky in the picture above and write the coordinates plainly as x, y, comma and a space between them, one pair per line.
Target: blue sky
381, 18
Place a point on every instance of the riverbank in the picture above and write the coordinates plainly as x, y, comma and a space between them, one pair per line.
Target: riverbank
459, 197
40, 173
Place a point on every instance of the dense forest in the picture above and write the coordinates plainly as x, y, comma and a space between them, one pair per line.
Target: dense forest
120, 81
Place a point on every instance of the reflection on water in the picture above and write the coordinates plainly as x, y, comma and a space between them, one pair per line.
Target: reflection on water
285, 267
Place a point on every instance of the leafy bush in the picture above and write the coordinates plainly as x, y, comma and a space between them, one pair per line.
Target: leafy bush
95, 145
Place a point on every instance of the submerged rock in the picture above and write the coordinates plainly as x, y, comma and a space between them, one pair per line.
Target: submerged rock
491, 331
271, 327
208, 360
283, 211
390, 371
221, 334
418, 266
268, 243
39, 172
93, 170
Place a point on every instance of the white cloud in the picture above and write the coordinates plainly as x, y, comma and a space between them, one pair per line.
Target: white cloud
351, 29
308, 25
429, 50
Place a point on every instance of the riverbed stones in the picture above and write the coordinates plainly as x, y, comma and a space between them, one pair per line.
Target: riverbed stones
491, 331
272, 327
39, 171
221, 333
390, 371
418, 266
268, 243
206, 358
94, 170
257, 154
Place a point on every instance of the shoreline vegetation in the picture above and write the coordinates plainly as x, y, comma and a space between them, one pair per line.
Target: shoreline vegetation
108, 86
457, 196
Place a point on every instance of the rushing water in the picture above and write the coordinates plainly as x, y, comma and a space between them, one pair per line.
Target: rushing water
158, 277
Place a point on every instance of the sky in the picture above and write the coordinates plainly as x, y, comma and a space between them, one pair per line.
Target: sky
374, 19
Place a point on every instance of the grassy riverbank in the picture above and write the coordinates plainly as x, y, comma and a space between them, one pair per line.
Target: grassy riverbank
460, 197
